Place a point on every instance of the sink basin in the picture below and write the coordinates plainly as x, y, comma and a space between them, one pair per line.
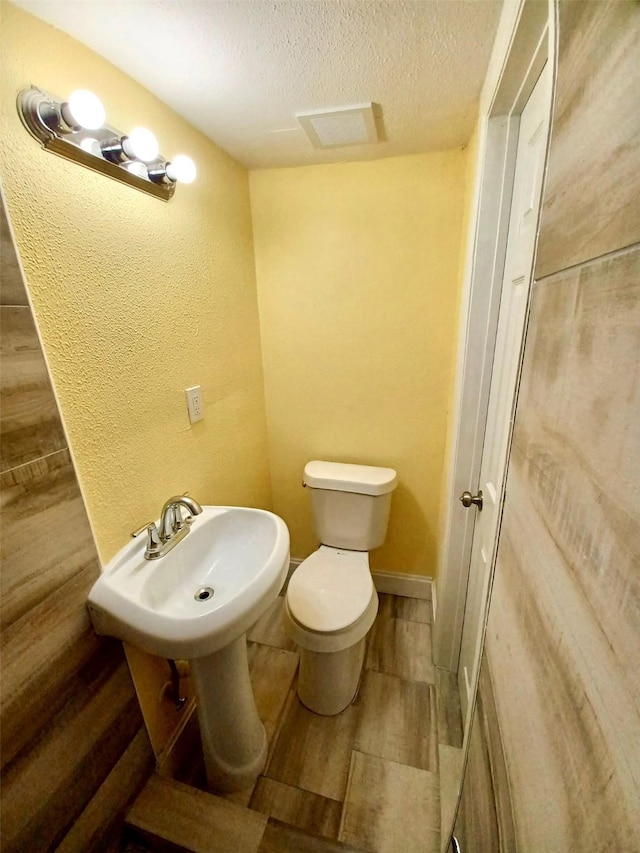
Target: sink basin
196, 603
202, 595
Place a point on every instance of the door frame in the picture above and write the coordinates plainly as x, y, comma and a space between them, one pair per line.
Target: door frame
524, 42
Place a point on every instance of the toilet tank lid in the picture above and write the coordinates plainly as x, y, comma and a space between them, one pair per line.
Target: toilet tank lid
343, 477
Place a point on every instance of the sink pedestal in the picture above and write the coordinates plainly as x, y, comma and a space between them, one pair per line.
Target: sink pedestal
234, 741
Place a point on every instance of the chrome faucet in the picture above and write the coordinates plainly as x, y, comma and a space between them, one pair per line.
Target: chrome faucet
173, 527
171, 520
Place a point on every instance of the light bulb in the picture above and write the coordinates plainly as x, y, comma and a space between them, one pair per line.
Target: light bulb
91, 145
181, 168
138, 169
84, 109
141, 144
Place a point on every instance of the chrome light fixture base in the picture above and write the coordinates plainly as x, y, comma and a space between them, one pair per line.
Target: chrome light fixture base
41, 114
38, 113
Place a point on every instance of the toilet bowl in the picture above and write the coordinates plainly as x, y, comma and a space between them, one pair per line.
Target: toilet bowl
330, 606
331, 602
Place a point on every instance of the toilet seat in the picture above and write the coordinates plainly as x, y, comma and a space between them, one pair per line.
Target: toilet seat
304, 600
330, 590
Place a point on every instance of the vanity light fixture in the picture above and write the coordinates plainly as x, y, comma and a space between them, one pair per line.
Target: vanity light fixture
76, 129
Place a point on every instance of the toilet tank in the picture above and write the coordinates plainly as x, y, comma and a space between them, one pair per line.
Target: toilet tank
350, 503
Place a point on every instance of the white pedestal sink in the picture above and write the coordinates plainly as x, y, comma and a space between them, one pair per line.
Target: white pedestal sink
234, 741
196, 604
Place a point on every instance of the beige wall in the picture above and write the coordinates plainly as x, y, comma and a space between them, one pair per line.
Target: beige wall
358, 281
137, 299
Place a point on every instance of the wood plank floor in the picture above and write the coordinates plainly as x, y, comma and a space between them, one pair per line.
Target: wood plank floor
381, 776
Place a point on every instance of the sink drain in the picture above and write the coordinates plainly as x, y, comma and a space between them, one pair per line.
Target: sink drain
204, 593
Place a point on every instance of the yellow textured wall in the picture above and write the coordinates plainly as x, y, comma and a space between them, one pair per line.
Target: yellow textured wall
358, 278
137, 299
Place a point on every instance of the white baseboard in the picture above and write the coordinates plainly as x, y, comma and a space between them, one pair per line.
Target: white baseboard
393, 583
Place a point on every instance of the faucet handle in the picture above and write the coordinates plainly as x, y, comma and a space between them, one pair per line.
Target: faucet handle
142, 529
153, 536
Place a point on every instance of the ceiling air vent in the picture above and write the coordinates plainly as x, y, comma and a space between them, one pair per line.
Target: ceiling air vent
345, 126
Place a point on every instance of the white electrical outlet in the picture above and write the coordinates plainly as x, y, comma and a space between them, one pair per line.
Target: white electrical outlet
195, 404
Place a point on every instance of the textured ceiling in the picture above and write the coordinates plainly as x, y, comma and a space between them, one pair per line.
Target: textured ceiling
240, 71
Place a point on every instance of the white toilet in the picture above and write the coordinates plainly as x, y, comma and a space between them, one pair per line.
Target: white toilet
331, 601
